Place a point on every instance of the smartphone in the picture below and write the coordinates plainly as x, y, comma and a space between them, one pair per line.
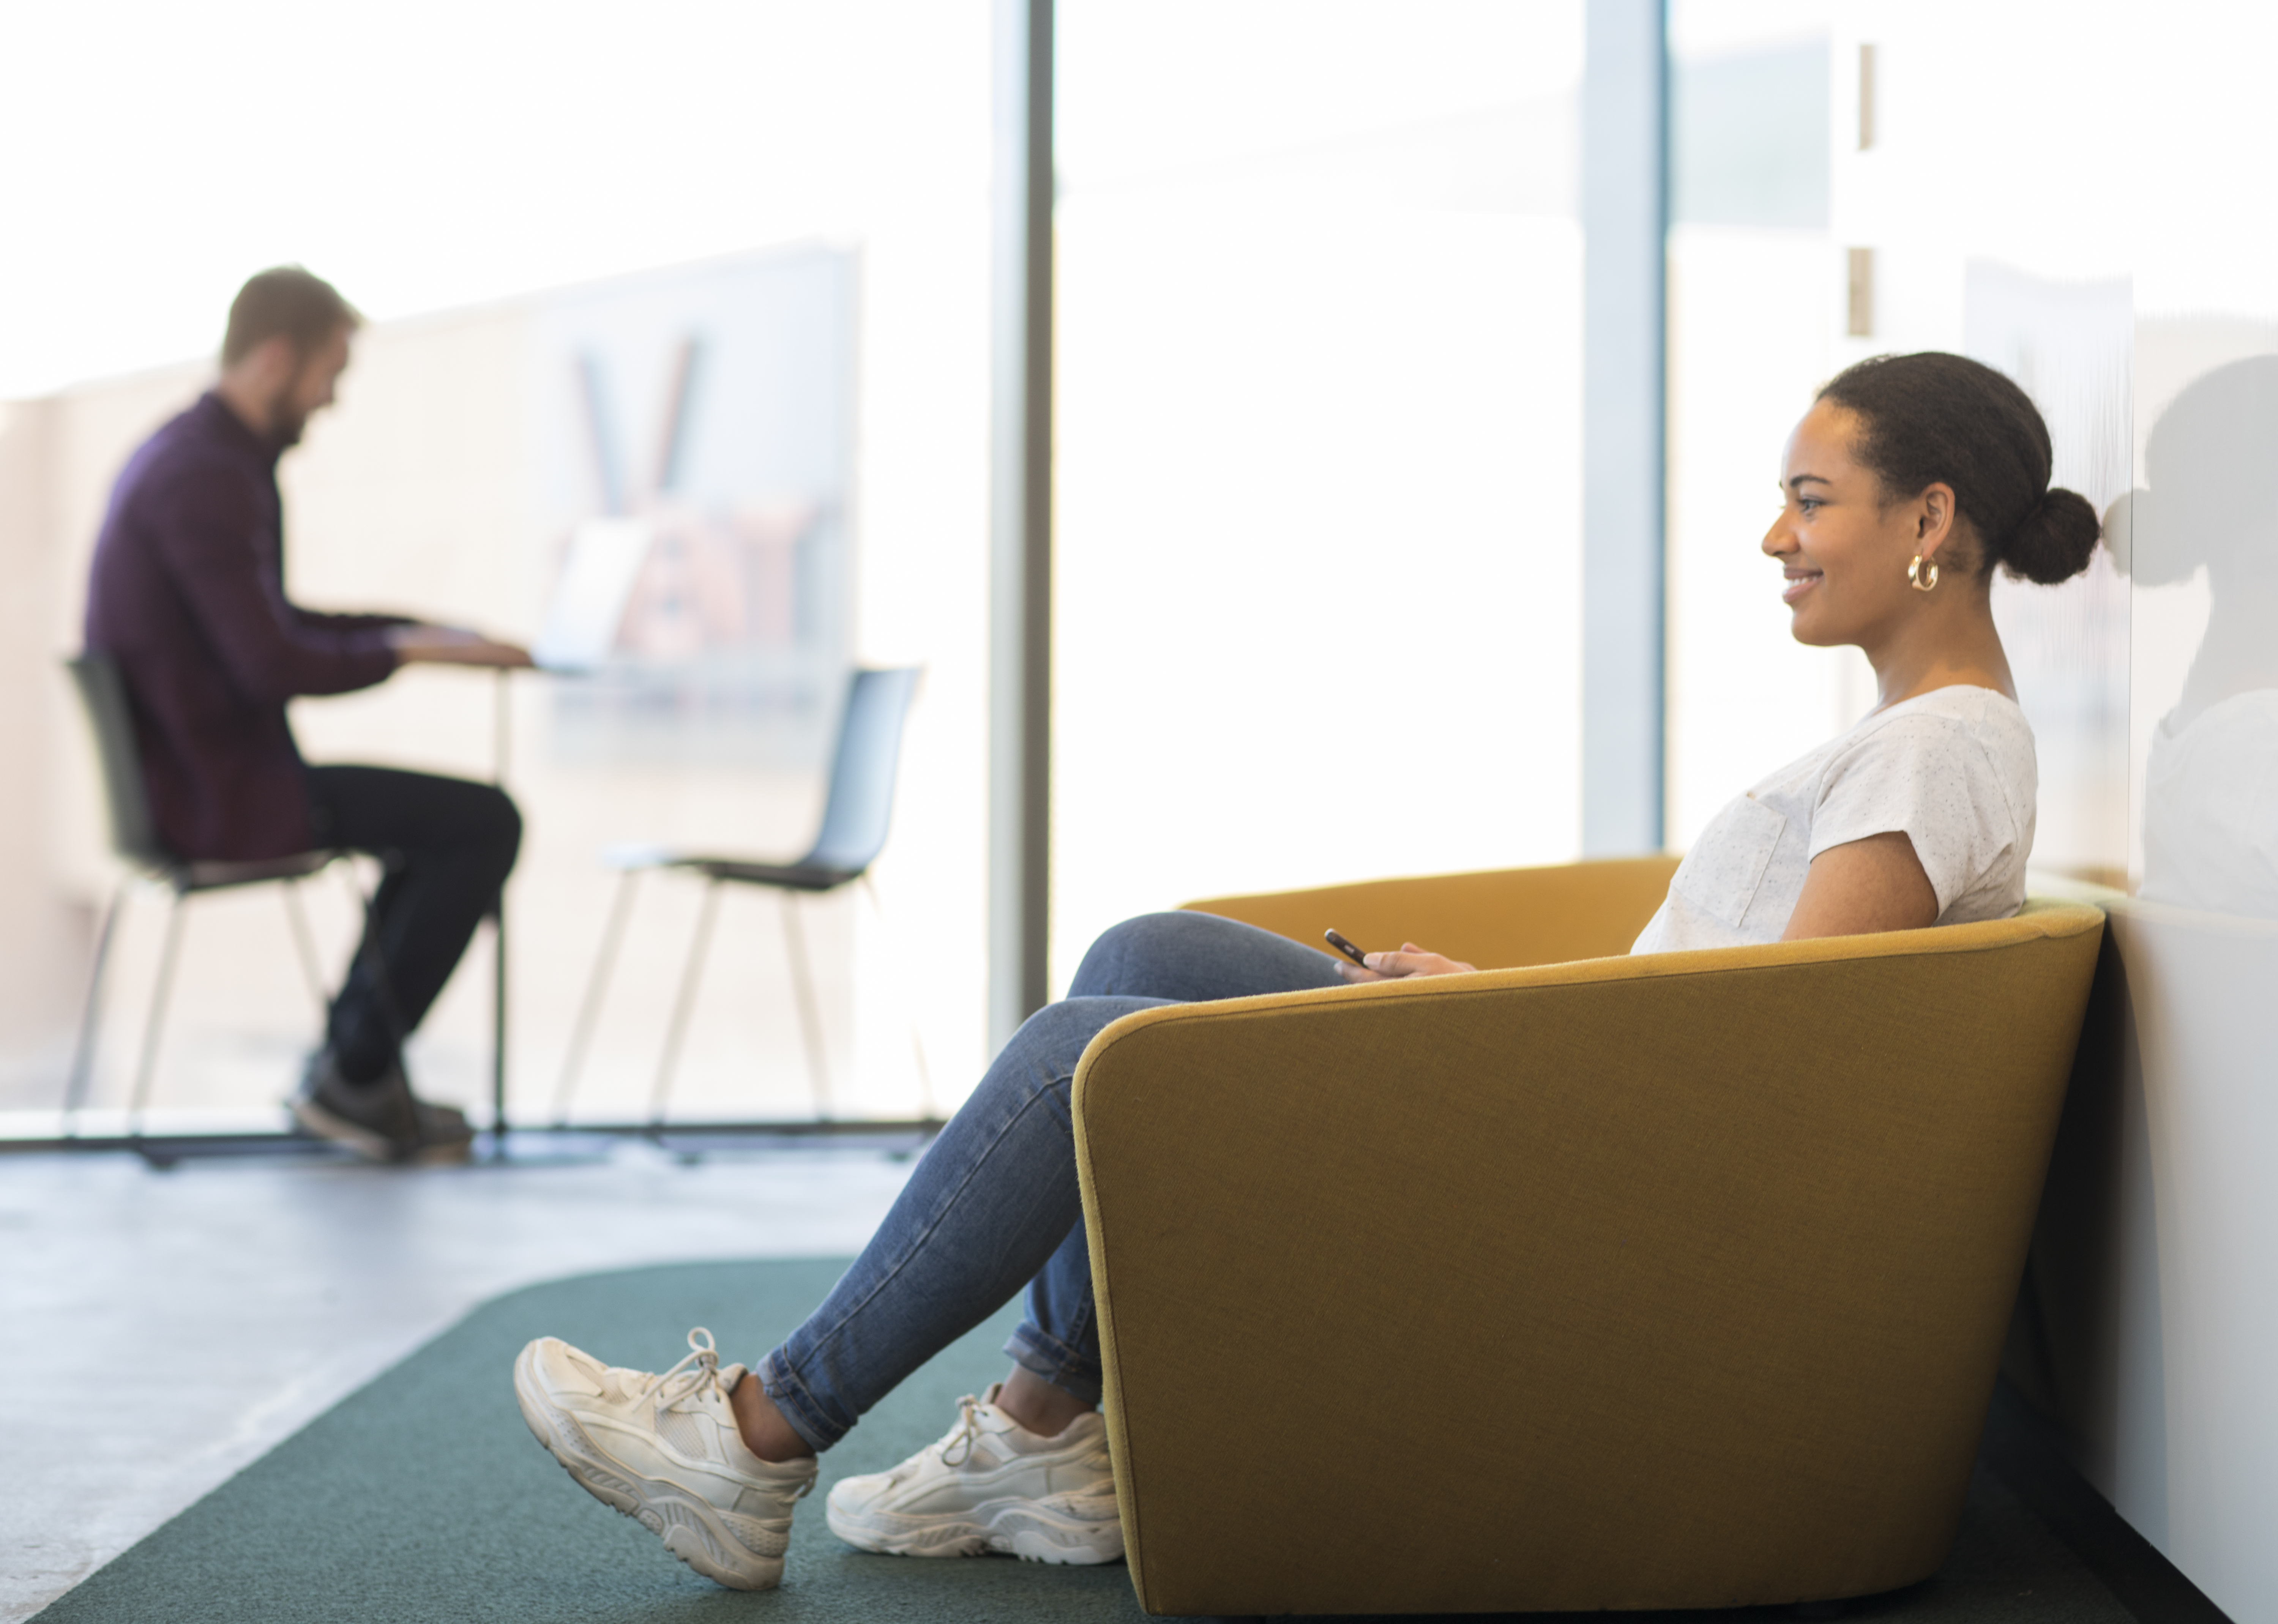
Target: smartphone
1337, 941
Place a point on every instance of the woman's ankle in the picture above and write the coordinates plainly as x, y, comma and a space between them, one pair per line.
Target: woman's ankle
765, 1431
1044, 1409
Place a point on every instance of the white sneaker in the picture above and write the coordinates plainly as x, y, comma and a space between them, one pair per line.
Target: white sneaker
990, 1484
665, 1450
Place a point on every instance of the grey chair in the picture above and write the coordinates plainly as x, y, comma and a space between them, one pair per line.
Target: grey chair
134, 839
855, 818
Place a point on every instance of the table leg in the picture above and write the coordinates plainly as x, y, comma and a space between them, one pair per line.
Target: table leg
503, 698
498, 1032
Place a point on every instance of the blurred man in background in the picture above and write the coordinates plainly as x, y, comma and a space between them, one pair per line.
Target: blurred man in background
187, 598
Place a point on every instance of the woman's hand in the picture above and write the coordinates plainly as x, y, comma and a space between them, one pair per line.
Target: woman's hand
1411, 962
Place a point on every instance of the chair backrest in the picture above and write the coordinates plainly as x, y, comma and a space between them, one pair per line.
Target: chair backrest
110, 721
862, 804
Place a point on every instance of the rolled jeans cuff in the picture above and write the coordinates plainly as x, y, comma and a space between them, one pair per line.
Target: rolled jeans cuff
807, 1418
1041, 1354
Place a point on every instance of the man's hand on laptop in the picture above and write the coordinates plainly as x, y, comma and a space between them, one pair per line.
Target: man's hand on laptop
419, 644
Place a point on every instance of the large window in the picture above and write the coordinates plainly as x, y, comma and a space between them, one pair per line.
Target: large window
1319, 452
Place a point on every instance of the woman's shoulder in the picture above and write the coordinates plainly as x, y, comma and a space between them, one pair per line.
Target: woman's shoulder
1955, 737
1984, 716
1955, 733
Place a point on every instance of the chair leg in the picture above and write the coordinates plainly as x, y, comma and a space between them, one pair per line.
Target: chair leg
156, 1023
683, 1006
304, 942
597, 986
810, 1014
917, 1037
90, 1020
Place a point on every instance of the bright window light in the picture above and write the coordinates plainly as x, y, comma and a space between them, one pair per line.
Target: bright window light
426, 155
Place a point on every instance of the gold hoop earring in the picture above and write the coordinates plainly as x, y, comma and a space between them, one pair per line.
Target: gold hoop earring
1922, 577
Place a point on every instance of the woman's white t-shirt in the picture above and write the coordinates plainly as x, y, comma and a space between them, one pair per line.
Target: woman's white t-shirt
1951, 769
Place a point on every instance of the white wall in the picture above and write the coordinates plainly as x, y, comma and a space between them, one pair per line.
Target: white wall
2182, 1434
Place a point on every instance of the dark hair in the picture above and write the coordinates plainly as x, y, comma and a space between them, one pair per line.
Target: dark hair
288, 301
1940, 419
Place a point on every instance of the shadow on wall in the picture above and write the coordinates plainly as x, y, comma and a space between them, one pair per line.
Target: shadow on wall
2144, 1324
2211, 502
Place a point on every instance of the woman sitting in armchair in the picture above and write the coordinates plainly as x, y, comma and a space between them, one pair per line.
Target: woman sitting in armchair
1911, 479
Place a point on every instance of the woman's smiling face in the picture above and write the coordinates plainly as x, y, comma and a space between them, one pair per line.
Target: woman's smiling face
1842, 542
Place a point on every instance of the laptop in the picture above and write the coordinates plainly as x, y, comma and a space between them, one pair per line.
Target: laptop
589, 600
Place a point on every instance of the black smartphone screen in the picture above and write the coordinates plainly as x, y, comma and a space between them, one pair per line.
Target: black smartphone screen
1346, 948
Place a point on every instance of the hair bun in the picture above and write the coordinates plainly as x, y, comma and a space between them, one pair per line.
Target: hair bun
2055, 540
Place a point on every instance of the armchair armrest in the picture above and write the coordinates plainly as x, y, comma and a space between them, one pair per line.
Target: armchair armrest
1665, 1282
1494, 919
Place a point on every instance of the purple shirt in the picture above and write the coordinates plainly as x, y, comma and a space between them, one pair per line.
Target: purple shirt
187, 595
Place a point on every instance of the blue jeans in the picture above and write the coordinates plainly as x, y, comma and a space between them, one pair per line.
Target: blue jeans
994, 1203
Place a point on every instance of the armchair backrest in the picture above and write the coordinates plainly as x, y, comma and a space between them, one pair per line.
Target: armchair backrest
1496, 919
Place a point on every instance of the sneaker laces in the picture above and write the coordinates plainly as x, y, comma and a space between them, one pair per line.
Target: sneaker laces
705, 1357
964, 1436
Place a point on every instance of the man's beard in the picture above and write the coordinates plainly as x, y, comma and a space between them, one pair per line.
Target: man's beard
286, 423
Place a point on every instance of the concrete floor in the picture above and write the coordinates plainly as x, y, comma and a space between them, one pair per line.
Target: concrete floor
158, 1330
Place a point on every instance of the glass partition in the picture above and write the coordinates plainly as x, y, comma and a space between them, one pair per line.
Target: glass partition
1779, 283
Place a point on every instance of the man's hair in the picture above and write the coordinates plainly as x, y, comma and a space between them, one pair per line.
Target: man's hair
288, 302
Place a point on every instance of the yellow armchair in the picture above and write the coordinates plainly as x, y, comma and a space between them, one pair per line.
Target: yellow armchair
1590, 1283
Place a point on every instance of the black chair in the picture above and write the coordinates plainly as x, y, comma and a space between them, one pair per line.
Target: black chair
133, 838
855, 818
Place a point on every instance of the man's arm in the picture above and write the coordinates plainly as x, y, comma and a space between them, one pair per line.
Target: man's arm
417, 643
208, 530
325, 620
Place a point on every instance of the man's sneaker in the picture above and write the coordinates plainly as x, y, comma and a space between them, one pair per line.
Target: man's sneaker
381, 1120
445, 1133
377, 1119
990, 1484
665, 1450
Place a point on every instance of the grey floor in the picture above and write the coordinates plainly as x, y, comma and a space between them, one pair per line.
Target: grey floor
160, 1330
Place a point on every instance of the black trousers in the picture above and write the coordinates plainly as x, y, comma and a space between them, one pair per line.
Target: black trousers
447, 846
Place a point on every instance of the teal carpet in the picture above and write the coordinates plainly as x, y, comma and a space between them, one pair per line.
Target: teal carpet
423, 1499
